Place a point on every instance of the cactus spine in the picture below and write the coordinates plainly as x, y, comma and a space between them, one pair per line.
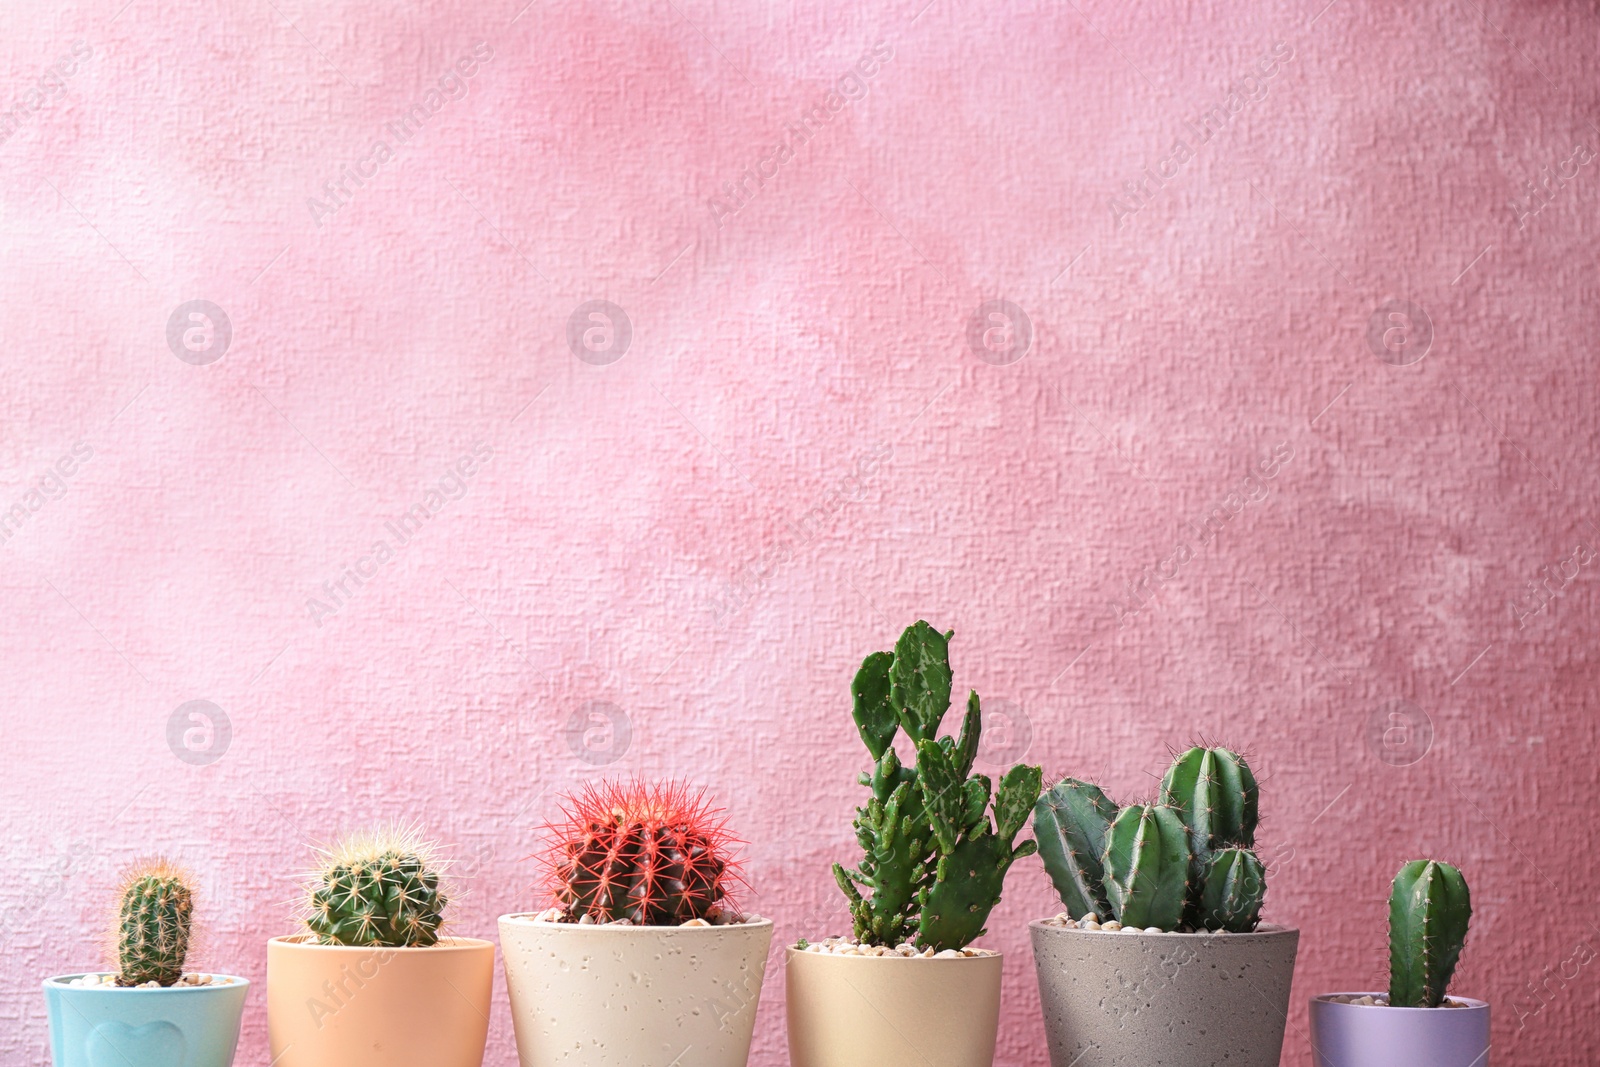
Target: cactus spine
1070, 823
1429, 909
655, 855
1235, 883
934, 863
154, 924
1147, 866
377, 889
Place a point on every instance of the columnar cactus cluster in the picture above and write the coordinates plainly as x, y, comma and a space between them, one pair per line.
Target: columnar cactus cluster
1429, 908
654, 855
1186, 861
154, 924
379, 889
934, 861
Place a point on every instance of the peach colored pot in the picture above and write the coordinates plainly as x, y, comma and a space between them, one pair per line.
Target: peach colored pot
892, 1011
333, 1006
633, 996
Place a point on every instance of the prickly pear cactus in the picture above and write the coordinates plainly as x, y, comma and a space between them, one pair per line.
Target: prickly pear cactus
377, 889
1429, 909
655, 855
1234, 887
973, 855
933, 863
154, 924
1070, 823
1147, 866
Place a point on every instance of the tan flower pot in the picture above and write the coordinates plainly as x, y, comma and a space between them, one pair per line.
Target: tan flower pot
332, 1006
631, 996
892, 1011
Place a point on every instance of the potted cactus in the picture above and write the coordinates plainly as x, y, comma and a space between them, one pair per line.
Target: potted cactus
642, 956
905, 987
372, 982
1160, 955
1410, 1026
147, 1011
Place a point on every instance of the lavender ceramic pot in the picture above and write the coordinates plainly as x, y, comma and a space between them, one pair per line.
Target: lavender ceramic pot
1376, 1035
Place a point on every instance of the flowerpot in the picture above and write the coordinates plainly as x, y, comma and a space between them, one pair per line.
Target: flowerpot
892, 1011
339, 1006
174, 1026
622, 996
1376, 1035
1116, 999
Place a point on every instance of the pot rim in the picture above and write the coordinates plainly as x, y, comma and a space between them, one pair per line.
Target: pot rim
60, 981
1265, 930
1471, 1003
444, 944
791, 952
531, 918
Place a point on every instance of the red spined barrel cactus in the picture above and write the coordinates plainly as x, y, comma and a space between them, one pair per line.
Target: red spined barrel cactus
654, 854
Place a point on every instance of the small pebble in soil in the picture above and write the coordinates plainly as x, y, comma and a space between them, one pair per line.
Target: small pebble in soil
845, 946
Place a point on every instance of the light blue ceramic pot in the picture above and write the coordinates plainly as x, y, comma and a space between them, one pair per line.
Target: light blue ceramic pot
180, 1026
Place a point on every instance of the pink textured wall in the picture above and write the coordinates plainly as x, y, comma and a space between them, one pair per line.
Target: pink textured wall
800, 451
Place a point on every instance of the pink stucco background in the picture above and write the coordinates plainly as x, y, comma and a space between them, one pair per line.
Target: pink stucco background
670, 564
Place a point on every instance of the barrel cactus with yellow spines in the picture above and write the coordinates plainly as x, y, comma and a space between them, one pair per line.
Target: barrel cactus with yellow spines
379, 888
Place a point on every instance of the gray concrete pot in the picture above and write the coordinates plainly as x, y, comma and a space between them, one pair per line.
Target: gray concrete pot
1180, 1000
1374, 1035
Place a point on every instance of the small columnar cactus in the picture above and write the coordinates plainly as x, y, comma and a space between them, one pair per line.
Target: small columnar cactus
154, 924
1232, 890
1429, 908
1215, 792
377, 889
654, 855
934, 862
1119, 865
1070, 822
1147, 866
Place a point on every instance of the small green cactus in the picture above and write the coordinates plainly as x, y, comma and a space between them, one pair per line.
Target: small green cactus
1235, 884
1070, 823
1119, 864
1216, 793
973, 855
154, 924
377, 889
1429, 909
1147, 866
934, 862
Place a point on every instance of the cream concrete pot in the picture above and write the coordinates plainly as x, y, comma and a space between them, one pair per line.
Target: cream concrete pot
626, 996
1182, 1000
892, 1011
